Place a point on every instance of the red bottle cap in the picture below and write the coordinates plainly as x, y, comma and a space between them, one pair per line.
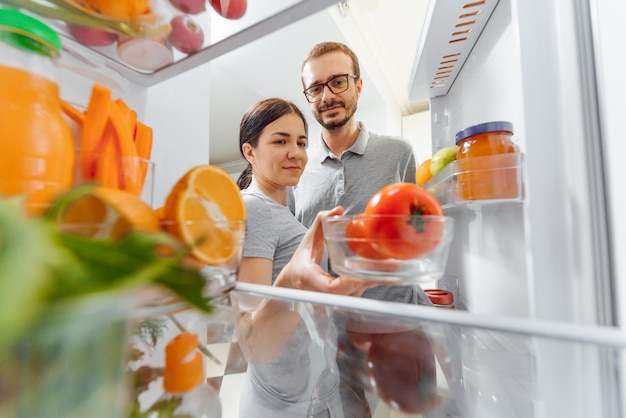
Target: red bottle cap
440, 297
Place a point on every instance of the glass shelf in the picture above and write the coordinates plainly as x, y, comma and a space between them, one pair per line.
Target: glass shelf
221, 36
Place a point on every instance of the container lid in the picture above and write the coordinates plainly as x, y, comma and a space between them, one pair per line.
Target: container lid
27, 33
484, 127
440, 297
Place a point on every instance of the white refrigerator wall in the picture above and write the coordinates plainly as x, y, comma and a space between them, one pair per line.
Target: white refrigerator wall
178, 112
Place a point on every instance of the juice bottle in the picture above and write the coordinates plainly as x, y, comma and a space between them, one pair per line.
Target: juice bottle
36, 143
486, 162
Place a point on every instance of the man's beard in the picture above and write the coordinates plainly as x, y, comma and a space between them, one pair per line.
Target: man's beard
336, 124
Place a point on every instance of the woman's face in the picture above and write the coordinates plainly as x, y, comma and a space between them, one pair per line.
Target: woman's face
280, 155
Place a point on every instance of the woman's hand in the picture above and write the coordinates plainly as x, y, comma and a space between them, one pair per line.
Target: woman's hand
304, 271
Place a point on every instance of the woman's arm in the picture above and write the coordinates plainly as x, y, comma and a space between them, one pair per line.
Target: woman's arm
263, 330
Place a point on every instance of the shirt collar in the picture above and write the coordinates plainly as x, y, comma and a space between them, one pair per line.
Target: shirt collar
322, 152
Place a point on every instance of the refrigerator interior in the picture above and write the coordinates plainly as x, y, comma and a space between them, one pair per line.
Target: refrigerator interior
532, 275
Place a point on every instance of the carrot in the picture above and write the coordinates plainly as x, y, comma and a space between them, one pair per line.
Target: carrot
143, 144
181, 373
130, 116
126, 145
143, 140
96, 117
73, 113
108, 164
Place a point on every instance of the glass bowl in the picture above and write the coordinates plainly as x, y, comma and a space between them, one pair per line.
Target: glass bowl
393, 248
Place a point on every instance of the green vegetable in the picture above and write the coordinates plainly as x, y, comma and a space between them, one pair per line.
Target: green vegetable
40, 265
29, 259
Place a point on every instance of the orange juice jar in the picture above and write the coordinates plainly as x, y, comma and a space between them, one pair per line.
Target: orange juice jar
486, 162
36, 143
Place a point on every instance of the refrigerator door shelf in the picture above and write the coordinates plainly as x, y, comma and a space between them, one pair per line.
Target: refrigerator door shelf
484, 180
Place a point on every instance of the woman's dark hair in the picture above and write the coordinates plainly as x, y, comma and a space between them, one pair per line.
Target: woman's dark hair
256, 118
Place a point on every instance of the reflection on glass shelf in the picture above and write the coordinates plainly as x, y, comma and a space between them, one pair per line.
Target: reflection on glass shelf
420, 359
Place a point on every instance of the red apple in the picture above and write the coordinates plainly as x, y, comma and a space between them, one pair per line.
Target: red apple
186, 35
230, 9
91, 36
192, 7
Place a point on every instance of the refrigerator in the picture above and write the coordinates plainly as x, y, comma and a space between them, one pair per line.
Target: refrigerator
538, 279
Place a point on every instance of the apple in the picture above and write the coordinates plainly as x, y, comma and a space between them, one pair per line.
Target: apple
442, 158
230, 9
91, 36
192, 7
187, 36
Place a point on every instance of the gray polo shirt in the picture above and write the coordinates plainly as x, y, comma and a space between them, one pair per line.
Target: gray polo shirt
351, 179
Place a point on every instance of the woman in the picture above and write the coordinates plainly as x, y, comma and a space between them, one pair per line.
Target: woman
289, 373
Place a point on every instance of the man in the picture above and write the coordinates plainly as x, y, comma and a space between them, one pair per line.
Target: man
347, 164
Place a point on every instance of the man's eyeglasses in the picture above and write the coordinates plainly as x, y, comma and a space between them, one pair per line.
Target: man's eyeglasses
336, 85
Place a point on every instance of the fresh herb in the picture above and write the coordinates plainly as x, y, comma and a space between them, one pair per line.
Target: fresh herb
41, 265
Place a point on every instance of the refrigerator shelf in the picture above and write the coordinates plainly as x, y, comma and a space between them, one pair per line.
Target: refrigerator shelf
221, 36
488, 180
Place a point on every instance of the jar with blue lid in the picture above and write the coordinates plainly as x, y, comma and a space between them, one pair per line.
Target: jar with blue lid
487, 162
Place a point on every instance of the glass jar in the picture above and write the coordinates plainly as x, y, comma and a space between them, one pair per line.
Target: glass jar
486, 162
36, 143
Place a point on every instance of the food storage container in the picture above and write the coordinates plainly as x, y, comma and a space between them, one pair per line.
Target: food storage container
481, 175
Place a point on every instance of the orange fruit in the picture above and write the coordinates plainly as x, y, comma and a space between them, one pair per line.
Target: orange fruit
104, 212
116, 9
206, 211
422, 174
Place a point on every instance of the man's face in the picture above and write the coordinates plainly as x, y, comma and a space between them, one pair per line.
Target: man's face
333, 110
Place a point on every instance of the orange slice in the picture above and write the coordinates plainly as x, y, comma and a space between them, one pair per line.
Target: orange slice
206, 211
104, 212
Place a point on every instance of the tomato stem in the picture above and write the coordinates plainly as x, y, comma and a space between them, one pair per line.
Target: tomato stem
417, 222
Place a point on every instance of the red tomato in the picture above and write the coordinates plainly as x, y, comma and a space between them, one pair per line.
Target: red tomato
358, 241
402, 238
403, 372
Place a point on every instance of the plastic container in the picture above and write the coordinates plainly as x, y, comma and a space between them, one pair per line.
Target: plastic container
440, 298
37, 150
481, 177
